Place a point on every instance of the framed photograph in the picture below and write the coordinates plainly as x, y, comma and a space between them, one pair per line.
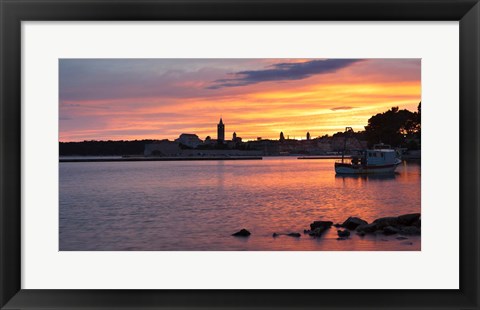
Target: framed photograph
239, 154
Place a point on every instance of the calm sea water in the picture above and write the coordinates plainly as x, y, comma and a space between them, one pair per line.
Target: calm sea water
197, 205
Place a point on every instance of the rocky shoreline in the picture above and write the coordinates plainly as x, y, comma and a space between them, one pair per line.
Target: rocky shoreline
407, 224
403, 225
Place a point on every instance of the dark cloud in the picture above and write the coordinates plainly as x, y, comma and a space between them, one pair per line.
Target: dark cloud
341, 108
284, 72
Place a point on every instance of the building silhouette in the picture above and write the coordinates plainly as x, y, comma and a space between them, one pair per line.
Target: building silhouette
308, 136
282, 137
189, 140
221, 132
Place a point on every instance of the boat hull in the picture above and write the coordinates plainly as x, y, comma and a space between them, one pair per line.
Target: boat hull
344, 168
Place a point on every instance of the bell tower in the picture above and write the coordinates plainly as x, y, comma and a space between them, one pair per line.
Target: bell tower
221, 132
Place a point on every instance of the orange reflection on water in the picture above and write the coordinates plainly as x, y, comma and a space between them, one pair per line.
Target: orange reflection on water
197, 205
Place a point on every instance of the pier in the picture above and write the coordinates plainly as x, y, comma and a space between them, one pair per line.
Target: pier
325, 157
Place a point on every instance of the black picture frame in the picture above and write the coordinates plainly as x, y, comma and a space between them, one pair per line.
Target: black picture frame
13, 12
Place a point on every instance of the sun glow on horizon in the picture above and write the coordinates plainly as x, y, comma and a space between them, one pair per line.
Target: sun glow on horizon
122, 100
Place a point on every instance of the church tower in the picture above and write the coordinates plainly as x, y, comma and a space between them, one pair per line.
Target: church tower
221, 132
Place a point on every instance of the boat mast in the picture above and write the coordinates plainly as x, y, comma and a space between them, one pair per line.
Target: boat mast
347, 131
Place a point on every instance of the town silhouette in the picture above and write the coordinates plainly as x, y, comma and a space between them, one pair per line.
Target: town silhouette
398, 128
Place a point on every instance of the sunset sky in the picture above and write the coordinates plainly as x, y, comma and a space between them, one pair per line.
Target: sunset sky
127, 99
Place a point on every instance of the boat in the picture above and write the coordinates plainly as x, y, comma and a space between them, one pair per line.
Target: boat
382, 159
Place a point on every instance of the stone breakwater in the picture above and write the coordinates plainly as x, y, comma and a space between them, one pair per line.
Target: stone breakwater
403, 225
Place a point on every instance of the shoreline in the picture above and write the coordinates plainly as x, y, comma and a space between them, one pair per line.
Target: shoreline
79, 160
325, 157
197, 158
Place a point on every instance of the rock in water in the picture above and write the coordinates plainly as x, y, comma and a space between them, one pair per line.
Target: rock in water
353, 222
410, 230
386, 221
368, 228
390, 230
242, 233
293, 234
317, 232
319, 227
417, 223
408, 219
343, 233
321, 224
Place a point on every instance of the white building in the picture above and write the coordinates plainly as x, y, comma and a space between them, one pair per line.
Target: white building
190, 140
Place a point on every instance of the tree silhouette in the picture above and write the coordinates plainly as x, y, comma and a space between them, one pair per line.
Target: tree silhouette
393, 127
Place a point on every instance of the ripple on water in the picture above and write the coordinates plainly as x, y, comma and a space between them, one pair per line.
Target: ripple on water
197, 205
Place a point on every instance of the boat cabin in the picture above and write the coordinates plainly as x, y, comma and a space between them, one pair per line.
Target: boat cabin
380, 157
380, 154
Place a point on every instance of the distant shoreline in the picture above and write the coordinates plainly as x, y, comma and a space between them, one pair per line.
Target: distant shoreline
81, 159
109, 159
325, 157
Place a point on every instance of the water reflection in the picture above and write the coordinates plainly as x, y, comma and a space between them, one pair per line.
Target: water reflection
366, 177
198, 205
